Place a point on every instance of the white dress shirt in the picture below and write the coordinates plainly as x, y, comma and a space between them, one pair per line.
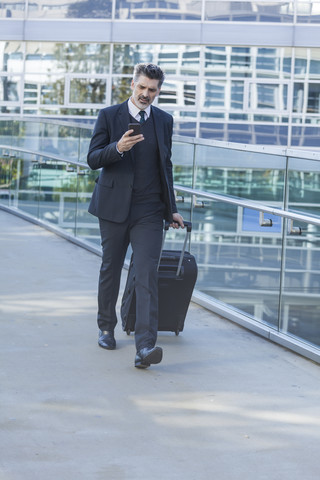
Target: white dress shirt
134, 111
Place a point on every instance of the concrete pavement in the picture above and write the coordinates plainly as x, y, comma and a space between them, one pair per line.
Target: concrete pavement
224, 404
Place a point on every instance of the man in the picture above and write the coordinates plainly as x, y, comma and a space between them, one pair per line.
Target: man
132, 196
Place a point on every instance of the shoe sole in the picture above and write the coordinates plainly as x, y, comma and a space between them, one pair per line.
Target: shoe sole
153, 358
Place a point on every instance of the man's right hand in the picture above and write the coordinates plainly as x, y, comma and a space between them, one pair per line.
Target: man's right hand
126, 142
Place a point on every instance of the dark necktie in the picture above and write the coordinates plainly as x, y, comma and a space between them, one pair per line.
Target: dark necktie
142, 114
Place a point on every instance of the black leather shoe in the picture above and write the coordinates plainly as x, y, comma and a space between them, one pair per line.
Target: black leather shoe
107, 340
147, 356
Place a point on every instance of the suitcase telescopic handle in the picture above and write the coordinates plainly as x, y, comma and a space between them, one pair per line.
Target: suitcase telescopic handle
186, 224
188, 233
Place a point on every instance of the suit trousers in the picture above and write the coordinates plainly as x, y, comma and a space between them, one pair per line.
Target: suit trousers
143, 230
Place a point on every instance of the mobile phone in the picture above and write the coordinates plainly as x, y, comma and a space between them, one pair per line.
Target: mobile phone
136, 129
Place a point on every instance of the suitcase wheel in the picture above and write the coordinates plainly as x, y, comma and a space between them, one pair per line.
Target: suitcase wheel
177, 331
128, 331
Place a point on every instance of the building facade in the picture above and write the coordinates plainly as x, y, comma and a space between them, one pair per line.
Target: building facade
244, 72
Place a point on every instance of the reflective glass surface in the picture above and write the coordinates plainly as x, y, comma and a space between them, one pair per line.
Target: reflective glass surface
55, 9
240, 173
87, 226
10, 89
5, 176
268, 96
183, 168
300, 307
11, 57
245, 94
25, 184
50, 57
12, 9
158, 10
239, 260
308, 12
88, 90
304, 186
257, 11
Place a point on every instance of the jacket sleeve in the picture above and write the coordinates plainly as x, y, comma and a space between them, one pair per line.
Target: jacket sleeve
102, 150
169, 167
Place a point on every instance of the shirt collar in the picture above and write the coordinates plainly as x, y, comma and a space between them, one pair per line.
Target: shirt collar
134, 111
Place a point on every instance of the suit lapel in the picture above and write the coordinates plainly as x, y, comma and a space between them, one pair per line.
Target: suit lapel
158, 124
123, 116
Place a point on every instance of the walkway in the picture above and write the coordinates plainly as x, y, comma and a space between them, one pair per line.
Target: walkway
224, 404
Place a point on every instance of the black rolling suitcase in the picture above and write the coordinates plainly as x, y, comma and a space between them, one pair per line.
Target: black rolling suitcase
177, 277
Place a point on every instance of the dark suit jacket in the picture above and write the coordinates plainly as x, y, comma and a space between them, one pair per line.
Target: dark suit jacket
111, 198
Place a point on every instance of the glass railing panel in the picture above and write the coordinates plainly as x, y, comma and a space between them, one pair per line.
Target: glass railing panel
69, 142
25, 182
252, 175
175, 237
84, 139
5, 176
58, 194
10, 131
182, 159
49, 138
300, 306
30, 134
87, 226
304, 185
239, 260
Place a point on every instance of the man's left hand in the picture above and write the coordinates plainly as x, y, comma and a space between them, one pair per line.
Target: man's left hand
177, 221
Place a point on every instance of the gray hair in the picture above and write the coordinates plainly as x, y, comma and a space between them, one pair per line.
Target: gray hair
148, 70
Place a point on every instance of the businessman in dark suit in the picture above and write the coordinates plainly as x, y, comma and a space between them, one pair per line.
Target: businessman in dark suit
132, 196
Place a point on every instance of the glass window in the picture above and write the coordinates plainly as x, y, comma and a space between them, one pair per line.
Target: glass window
190, 60
315, 67
52, 57
268, 95
313, 105
173, 59
44, 89
214, 94
306, 136
158, 10
125, 57
120, 90
298, 98
215, 60
240, 11
308, 12
52, 9
88, 90
181, 93
240, 58
270, 134
237, 93
11, 57
12, 9
300, 61
9, 89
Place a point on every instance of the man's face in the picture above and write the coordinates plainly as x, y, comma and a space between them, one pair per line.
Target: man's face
144, 91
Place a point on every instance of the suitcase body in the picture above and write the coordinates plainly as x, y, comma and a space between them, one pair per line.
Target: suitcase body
177, 274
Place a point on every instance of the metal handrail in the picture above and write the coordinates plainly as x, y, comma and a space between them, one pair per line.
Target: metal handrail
50, 156
250, 204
